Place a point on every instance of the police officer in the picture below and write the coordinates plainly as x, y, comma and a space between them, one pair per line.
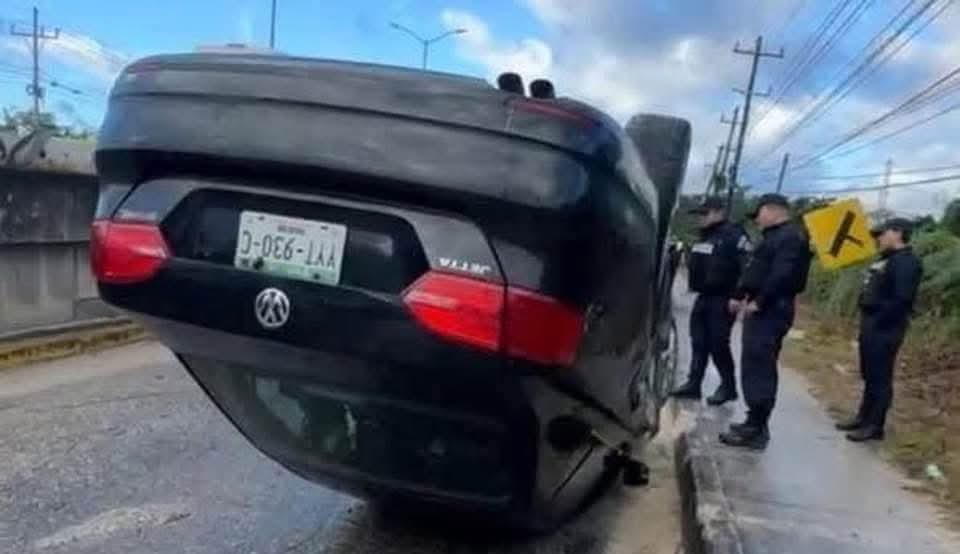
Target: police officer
714, 270
776, 274
885, 306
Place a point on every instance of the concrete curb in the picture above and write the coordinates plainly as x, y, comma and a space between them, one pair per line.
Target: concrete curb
61, 341
709, 526
60, 328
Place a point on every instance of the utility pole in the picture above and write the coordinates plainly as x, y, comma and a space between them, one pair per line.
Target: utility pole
726, 151
783, 172
273, 25
757, 53
708, 169
885, 191
37, 33
713, 184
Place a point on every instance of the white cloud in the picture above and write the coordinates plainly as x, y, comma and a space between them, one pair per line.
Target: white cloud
244, 23
16, 47
530, 57
622, 78
558, 11
675, 57
87, 55
74, 51
771, 122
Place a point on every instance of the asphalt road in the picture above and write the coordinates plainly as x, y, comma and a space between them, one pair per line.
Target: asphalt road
121, 452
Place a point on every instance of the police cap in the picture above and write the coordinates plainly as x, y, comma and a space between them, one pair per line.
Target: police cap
904, 226
769, 199
709, 204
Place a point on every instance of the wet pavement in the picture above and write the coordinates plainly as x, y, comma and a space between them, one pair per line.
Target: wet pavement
121, 452
811, 491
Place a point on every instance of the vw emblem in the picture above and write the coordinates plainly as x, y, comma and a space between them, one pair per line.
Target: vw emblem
272, 308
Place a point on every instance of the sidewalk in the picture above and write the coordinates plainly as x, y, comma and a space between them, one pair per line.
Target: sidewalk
811, 491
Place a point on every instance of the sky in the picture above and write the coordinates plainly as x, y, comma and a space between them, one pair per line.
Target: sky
624, 56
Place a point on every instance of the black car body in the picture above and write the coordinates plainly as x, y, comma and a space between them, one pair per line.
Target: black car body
485, 262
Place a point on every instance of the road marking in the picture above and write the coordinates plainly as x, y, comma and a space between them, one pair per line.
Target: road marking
114, 521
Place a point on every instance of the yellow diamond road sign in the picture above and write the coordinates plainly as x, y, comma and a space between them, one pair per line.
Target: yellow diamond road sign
841, 234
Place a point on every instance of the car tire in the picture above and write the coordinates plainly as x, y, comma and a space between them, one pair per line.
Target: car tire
669, 360
663, 144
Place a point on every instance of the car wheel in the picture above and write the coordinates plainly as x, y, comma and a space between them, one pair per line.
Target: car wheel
669, 360
663, 144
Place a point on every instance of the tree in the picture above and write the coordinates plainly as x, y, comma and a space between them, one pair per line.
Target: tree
13, 119
924, 223
804, 204
951, 217
16, 119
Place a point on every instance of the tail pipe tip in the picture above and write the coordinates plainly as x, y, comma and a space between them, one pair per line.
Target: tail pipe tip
510, 82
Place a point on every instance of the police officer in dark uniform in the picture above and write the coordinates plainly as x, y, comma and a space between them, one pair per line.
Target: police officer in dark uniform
714, 269
776, 274
885, 306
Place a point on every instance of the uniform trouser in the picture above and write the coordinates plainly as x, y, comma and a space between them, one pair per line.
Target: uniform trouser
763, 334
710, 326
878, 354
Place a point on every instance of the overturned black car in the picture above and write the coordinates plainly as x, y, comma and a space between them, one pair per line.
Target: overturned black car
401, 284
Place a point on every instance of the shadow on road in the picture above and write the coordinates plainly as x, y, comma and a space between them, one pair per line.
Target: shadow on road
621, 521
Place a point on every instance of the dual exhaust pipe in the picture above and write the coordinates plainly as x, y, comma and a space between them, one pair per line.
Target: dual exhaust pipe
540, 89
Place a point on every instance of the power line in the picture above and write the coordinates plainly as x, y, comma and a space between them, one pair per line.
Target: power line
914, 171
858, 11
883, 119
905, 184
37, 33
914, 125
881, 173
17, 72
813, 104
810, 54
50, 80
874, 60
803, 54
887, 57
790, 19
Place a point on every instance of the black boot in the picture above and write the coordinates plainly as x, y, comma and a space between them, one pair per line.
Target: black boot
866, 433
851, 424
723, 395
742, 427
690, 390
755, 421
753, 438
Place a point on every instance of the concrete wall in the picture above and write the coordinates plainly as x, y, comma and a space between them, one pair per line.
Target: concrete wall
44, 231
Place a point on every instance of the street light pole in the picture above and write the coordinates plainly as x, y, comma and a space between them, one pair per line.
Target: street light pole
425, 43
273, 24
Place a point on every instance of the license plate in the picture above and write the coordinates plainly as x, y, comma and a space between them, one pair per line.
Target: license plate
290, 247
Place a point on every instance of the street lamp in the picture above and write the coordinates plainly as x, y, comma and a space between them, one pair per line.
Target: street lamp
273, 24
69, 89
426, 42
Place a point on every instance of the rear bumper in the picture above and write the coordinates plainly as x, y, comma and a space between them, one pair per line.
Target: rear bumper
373, 431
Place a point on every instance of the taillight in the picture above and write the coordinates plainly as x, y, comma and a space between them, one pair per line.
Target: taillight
518, 322
459, 308
541, 329
553, 110
123, 253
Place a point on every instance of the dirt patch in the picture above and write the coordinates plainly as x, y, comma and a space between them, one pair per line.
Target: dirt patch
62, 345
924, 429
